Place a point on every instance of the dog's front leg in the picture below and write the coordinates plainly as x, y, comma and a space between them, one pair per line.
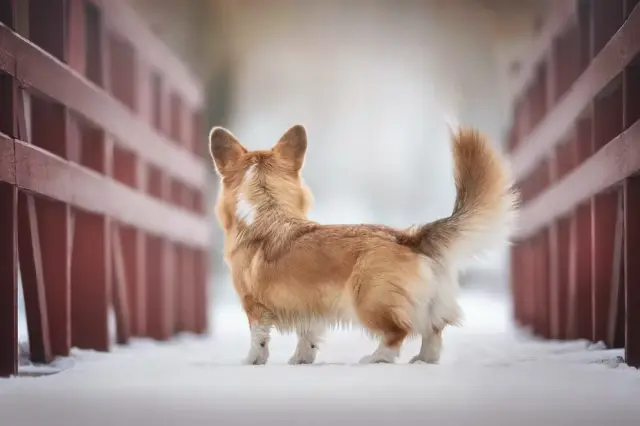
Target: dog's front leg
307, 348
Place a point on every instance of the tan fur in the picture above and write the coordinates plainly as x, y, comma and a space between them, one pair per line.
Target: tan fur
296, 274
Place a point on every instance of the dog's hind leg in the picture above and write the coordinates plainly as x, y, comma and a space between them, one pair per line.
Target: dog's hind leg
430, 349
382, 310
260, 323
307, 348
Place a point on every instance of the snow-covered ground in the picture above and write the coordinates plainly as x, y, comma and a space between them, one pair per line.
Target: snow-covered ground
489, 375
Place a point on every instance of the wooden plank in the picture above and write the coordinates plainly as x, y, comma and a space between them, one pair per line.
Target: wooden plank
186, 290
157, 293
632, 269
54, 222
8, 280
119, 293
140, 289
561, 291
580, 311
33, 280
49, 131
134, 269
607, 167
616, 314
603, 230
43, 173
610, 62
542, 285
91, 282
47, 25
37, 70
201, 290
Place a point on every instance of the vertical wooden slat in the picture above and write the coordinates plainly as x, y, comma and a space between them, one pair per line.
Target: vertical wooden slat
8, 221
47, 26
90, 282
95, 61
76, 37
201, 293
632, 269
156, 294
30, 256
616, 314
32, 280
91, 276
139, 310
8, 279
48, 130
119, 288
541, 277
603, 224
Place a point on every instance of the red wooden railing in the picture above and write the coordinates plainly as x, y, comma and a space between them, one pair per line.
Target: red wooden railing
101, 180
575, 150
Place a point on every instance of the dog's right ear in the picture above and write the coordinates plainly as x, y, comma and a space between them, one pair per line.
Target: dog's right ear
225, 149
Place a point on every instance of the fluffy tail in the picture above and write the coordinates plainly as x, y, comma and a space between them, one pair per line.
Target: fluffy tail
485, 205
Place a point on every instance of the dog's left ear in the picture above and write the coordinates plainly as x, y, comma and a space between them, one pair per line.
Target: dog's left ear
292, 147
225, 149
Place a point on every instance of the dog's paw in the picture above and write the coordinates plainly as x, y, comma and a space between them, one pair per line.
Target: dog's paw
302, 358
305, 353
419, 359
257, 357
376, 359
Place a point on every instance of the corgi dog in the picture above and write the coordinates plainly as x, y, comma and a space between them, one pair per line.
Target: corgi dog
296, 275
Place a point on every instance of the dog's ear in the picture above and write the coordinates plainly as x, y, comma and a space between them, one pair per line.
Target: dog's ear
225, 149
292, 147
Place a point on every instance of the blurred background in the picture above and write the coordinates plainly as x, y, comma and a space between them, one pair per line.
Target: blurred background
373, 81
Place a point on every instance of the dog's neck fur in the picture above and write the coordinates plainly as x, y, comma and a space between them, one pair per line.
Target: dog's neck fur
271, 223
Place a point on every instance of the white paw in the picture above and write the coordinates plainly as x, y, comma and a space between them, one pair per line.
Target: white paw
376, 359
301, 359
257, 356
382, 354
304, 355
419, 359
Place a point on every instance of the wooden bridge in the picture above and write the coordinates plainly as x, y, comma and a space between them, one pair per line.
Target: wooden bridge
102, 180
575, 149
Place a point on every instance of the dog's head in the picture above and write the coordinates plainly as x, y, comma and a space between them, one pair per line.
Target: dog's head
254, 183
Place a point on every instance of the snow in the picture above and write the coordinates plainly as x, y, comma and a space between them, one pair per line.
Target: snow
490, 374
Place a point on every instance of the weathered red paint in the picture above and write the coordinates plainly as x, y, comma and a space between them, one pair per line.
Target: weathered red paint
33, 280
119, 294
54, 79
8, 279
79, 171
591, 83
632, 268
559, 121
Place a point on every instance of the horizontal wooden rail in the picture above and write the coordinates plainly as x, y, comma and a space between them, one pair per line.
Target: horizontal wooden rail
558, 122
43, 173
37, 70
609, 166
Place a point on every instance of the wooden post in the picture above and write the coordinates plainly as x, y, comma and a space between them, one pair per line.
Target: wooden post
632, 269
8, 276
